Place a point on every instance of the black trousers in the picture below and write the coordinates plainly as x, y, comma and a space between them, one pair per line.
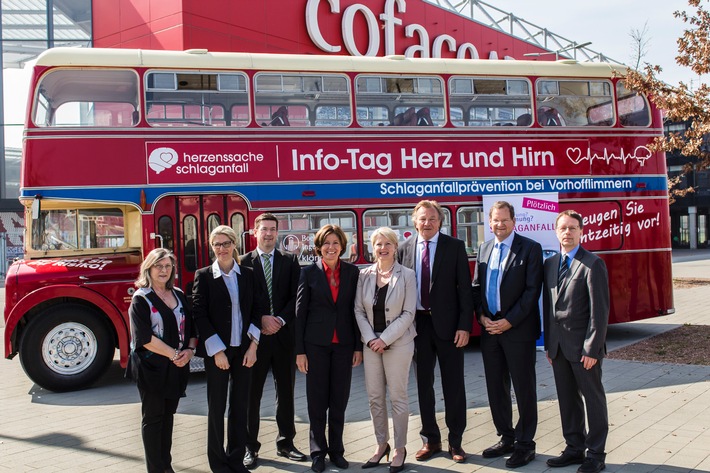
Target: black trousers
327, 392
578, 388
427, 349
157, 430
221, 385
276, 352
506, 360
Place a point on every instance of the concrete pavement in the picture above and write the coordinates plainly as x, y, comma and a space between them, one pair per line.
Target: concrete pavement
659, 414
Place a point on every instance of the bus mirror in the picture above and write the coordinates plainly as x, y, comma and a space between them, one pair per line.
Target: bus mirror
36, 208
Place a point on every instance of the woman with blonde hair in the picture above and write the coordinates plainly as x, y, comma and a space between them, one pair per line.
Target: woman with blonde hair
162, 344
227, 308
385, 305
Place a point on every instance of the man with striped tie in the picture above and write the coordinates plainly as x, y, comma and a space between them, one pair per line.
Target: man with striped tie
276, 273
507, 282
576, 314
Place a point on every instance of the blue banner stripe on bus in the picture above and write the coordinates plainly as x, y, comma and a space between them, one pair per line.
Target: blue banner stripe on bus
324, 191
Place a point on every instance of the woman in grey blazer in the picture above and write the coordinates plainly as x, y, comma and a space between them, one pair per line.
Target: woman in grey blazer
385, 303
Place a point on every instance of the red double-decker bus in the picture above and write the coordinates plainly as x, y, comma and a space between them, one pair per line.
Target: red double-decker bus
128, 150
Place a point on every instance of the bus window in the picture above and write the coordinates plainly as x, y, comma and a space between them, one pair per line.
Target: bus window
298, 229
87, 98
399, 101
480, 101
165, 230
632, 106
182, 99
293, 100
332, 115
212, 223
78, 229
399, 220
189, 235
470, 225
569, 102
237, 224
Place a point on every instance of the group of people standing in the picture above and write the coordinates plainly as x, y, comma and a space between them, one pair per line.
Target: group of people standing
414, 303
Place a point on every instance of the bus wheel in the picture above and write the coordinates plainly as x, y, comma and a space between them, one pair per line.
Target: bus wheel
66, 348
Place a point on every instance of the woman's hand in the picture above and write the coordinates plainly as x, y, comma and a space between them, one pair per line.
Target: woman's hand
250, 355
357, 358
377, 345
302, 363
220, 360
183, 358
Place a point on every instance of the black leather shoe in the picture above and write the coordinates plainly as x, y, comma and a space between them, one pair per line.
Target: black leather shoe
318, 464
291, 453
520, 458
591, 465
251, 459
566, 458
339, 460
498, 450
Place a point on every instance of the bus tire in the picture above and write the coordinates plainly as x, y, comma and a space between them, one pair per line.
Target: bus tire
66, 348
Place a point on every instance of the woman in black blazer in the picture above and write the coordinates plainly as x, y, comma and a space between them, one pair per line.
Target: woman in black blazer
227, 309
162, 344
328, 343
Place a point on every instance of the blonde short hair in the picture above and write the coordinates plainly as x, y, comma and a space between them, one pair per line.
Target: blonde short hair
229, 233
389, 234
151, 259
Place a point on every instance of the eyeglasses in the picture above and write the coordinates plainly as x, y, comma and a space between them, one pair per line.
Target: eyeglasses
564, 229
224, 244
163, 267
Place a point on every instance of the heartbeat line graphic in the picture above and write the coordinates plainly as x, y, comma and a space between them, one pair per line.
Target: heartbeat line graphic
641, 154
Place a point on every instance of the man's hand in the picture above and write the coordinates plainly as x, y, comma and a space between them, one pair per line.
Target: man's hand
588, 362
498, 326
461, 338
302, 363
270, 324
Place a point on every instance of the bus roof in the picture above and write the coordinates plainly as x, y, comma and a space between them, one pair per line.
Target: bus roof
203, 59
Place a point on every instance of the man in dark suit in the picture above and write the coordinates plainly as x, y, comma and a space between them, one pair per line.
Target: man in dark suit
227, 308
506, 291
576, 313
444, 317
276, 345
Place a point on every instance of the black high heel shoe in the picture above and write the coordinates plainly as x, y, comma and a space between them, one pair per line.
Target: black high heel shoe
397, 469
371, 464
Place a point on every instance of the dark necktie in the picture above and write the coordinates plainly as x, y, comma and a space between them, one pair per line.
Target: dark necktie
267, 274
563, 271
425, 277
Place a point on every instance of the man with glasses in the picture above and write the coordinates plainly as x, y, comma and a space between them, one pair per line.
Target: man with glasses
507, 282
576, 314
276, 273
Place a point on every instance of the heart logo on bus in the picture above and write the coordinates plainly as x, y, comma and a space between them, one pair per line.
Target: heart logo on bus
161, 159
575, 155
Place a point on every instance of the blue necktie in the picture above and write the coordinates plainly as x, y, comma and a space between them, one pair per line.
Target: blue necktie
492, 292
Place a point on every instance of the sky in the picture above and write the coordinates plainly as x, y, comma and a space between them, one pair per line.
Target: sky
606, 23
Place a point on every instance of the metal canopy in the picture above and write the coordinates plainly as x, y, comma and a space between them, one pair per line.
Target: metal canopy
508, 23
32, 26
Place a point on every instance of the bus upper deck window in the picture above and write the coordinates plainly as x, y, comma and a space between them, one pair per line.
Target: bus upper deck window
632, 106
573, 103
87, 98
494, 101
400, 101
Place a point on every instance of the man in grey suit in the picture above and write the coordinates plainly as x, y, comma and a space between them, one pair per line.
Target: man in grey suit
576, 306
444, 318
506, 293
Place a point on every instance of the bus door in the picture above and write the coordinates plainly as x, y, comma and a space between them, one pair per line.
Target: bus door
185, 222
